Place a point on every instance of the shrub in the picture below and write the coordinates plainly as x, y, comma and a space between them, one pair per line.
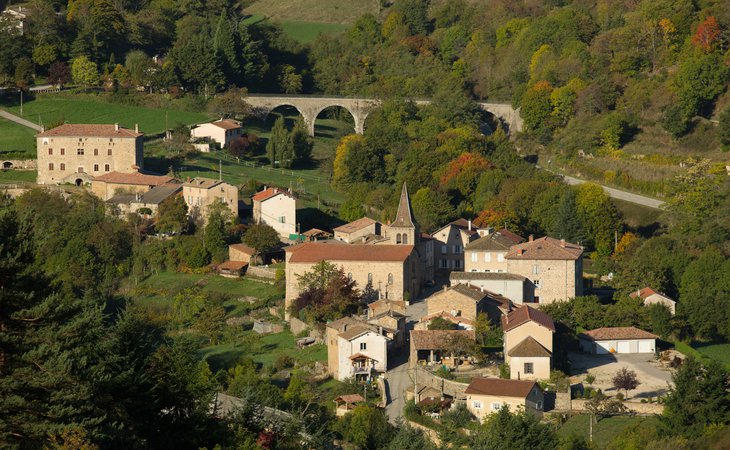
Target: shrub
283, 362
620, 396
444, 372
590, 378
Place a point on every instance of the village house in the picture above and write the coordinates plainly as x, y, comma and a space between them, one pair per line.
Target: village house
433, 346
358, 231
386, 271
449, 243
462, 303
239, 257
487, 253
77, 153
528, 343
384, 305
485, 396
346, 403
315, 234
16, 17
110, 184
222, 131
652, 297
200, 193
511, 286
278, 209
602, 341
355, 349
145, 204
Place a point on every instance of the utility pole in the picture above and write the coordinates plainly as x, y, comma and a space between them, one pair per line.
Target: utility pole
21, 102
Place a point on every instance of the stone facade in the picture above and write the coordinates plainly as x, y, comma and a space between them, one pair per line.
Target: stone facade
550, 280
449, 244
355, 231
355, 349
457, 301
74, 153
200, 193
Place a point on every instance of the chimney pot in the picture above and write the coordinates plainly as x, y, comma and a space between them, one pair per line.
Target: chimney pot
562, 243
469, 224
116, 127
532, 237
445, 288
136, 128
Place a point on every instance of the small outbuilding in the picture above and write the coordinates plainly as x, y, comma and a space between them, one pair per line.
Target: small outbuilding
602, 341
346, 403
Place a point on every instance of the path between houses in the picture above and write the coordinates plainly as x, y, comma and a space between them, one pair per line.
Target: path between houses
19, 120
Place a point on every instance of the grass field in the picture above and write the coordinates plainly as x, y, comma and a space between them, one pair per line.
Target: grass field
324, 11
158, 291
16, 141
92, 109
606, 430
306, 32
717, 352
18, 176
263, 350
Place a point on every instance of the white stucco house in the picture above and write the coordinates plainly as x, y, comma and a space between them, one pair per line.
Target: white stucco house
602, 341
278, 209
355, 349
652, 297
221, 131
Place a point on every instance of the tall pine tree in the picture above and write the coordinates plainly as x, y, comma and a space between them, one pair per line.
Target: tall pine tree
278, 141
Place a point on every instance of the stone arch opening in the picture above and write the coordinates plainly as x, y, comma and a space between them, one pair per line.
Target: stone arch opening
288, 112
333, 122
7, 165
78, 182
489, 122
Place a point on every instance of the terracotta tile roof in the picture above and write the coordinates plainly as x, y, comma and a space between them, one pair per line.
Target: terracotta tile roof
314, 252
90, 130
529, 347
226, 124
501, 388
436, 339
270, 193
146, 179
355, 225
243, 248
545, 248
647, 292
606, 333
360, 356
358, 330
343, 323
525, 314
314, 232
472, 292
159, 194
495, 242
379, 306
461, 224
459, 276
350, 398
516, 238
232, 265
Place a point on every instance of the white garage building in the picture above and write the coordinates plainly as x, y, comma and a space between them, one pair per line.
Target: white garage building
602, 341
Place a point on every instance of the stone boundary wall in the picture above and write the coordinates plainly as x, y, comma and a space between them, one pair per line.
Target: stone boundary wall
431, 434
579, 405
452, 388
19, 164
262, 272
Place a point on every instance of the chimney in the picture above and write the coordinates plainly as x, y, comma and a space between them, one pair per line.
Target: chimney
532, 237
520, 251
469, 224
136, 128
445, 288
116, 127
562, 243
43, 128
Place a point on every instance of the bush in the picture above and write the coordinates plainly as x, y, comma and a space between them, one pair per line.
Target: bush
620, 396
590, 378
504, 371
444, 372
283, 362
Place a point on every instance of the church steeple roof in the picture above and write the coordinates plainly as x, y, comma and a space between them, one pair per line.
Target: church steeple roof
404, 217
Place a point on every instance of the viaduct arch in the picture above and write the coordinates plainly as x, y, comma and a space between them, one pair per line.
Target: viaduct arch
311, 106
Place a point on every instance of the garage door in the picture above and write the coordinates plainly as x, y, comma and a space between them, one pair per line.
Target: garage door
624, 347
646, 347
602, 348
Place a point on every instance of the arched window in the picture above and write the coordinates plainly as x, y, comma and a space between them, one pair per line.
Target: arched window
390, 278
397, 238
370, 278
405, 239
349, 276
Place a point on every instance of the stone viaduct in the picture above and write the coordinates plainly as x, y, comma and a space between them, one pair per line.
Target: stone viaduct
311, 106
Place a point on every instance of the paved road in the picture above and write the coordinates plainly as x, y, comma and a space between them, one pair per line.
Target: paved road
19, 120
398, 378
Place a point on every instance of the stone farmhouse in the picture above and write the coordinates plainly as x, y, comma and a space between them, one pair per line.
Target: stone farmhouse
145, 204
552, 268
485, 396
276, 208
222, 131
110, 184
449, 243
359, 231
652, 297
528, 343
77, 153
432, 346
199, 193
461, 304
239, 257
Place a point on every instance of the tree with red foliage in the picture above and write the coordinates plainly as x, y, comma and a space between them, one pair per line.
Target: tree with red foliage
707, 34
463, 172
244, 145
498, 216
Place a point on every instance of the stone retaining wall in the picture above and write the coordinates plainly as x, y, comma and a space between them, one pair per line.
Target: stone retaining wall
449, 387
297, 326
18, 164
579, 405
261, 271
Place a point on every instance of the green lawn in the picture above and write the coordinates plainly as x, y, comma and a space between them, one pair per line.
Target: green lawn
16, 141
94, 109
157, 291
18, 176
606, 430
717, 352
306, 32
327, 11
262, 349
